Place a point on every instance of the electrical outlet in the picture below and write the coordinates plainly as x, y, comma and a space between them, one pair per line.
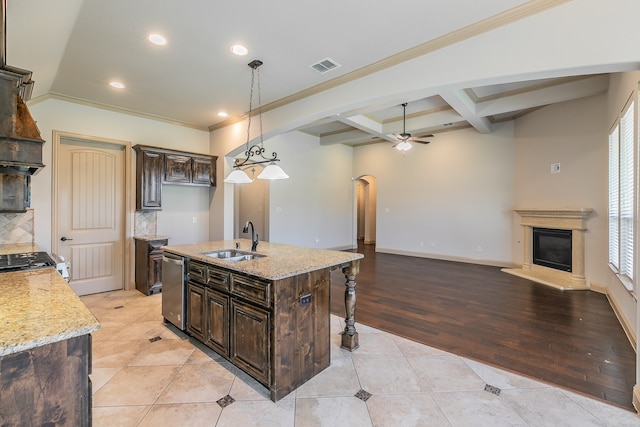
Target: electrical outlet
305, 299
555, 167
195, 219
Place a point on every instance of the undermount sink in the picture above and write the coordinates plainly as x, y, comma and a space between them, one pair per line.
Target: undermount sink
233, 255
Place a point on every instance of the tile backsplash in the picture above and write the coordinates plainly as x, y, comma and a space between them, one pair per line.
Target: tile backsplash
145, 224
17, 227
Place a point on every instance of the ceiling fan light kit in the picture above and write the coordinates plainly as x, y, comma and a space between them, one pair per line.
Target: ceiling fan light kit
404, 138
271, 171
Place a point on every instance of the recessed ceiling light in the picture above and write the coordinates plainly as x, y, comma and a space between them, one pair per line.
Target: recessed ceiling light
222, 114
157, 39
239, 50
117, 85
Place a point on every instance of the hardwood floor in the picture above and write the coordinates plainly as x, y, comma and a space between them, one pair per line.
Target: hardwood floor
568, 338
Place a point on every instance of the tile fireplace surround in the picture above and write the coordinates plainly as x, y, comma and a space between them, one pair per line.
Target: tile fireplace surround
565, 219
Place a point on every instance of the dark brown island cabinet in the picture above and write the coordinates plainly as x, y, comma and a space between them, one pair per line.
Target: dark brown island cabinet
158, 166
47, 385
275, 330
45, 351
148, 258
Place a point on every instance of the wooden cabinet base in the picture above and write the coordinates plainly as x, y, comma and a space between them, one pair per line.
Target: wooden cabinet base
149, 265
276, 331
47, 385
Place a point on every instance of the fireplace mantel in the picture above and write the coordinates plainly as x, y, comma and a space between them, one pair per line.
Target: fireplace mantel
566, 219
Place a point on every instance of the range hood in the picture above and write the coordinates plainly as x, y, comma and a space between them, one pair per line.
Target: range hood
20, 140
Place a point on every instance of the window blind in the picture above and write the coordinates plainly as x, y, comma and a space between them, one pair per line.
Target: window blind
626, 195
614, 157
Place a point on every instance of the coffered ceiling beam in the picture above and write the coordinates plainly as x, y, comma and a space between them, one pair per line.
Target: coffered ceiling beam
464, 105
555, 93
353, 136
367, 125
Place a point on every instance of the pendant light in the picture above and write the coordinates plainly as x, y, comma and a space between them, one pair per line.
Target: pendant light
272, 170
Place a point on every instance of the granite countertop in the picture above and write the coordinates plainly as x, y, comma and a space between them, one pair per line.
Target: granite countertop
18, 248
37, 307
280, 261
150, 237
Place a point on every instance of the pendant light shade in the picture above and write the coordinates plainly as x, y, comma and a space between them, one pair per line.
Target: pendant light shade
271, 171
238, 176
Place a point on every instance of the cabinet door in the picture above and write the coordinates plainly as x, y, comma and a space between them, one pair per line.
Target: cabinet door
203, 171
251, 340
177, 168
195, 310
217, 311
154, 281
149, 180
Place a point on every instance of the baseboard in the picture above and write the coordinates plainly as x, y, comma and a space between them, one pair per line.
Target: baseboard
636, 398
624, 322
445, 257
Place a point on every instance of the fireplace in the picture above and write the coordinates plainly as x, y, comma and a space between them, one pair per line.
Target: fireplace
553, 247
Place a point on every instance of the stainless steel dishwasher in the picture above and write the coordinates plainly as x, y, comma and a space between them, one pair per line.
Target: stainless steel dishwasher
173, 280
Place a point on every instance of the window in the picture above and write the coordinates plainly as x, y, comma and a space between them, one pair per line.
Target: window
621, 196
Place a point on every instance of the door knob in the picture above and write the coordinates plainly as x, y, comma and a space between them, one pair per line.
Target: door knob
64, 239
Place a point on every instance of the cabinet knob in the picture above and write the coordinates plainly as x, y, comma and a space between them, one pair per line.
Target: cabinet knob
64, 239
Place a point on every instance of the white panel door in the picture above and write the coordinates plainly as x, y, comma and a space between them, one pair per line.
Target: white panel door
90, 213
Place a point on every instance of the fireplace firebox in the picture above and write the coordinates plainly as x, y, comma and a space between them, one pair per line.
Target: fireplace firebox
552, 248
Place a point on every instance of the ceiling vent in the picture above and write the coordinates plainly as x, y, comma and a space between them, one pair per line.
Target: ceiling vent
325, 65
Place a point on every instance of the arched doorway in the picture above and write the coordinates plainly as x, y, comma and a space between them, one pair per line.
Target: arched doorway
365, 209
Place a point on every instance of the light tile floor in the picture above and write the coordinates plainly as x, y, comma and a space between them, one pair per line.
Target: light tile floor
173, 381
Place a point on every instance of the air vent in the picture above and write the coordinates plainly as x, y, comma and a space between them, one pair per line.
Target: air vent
325, 65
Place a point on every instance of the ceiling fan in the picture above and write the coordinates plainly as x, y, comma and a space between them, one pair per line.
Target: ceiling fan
405, 139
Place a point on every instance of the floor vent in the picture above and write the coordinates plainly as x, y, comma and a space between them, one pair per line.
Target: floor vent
325, 65
492, 389
154, 339
225, 401
363, 395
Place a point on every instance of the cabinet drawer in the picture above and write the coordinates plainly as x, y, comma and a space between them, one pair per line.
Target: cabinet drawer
217, 278
254, 290
197, 272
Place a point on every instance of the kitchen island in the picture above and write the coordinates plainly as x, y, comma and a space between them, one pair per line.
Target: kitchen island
45, 347
269, 315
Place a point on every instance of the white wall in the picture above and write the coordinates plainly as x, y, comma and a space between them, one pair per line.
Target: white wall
573, 134
450, 199
315, 207
180, 205
53, 114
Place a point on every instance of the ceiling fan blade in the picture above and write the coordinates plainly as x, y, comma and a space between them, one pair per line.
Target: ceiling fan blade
422, 139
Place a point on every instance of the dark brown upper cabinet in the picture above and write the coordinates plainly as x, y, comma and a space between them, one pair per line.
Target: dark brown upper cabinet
157, 166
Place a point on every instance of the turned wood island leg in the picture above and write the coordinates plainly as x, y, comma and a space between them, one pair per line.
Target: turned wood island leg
350, 335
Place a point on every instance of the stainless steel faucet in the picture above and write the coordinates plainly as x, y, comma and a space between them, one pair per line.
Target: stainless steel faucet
254, 237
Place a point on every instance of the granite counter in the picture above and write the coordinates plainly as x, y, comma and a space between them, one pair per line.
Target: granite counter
280, 261
37, 307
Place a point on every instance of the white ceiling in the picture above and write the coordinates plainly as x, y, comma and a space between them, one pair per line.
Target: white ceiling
75, 47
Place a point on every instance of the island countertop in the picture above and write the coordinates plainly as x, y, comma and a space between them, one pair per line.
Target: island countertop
38, 307
279, 261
